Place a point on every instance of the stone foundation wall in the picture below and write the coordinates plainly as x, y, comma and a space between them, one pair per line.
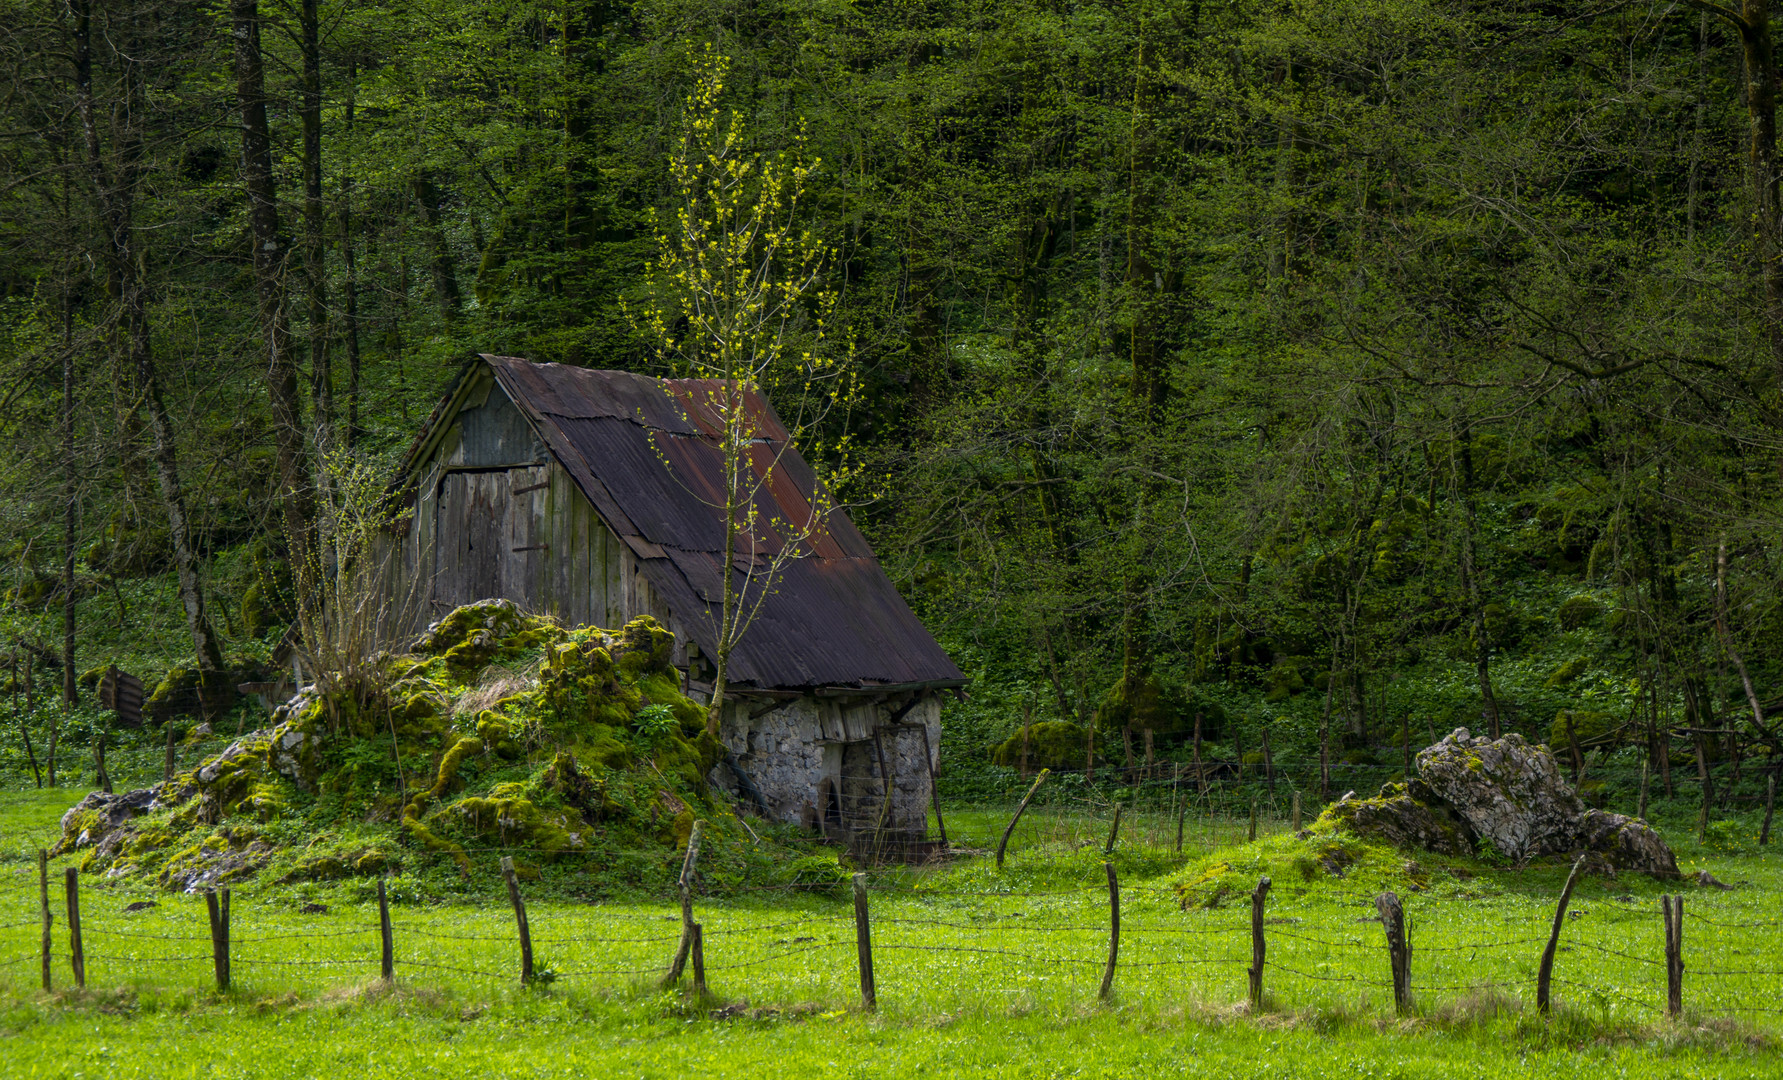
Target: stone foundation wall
815, 762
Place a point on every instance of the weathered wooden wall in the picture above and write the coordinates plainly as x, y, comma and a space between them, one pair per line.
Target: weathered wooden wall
495, 516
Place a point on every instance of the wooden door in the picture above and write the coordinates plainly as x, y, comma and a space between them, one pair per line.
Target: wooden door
489, 541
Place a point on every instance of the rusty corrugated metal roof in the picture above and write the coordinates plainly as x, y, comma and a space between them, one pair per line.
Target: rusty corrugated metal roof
646, 462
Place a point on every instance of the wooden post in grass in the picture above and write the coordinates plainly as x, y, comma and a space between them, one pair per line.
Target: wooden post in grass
935, 792
1004, 842
1545, 973
387, 966
1672, 909
1770, 798
1258, 949
1296, 811
507, 872
77, 956
43, 901
1253, 832
863, 942
1572, 741
685, 883
698, 953
217, 905
167, 765
1399, 951
1114, 932
1113, 830
1181, 813
1641, 811
1200, 775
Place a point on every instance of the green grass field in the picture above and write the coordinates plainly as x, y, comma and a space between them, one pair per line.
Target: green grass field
979, 972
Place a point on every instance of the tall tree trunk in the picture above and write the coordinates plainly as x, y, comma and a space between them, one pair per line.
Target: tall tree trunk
314, 254
445, 274
69, 693
1475, 595
350, 264
115, 195
270, 264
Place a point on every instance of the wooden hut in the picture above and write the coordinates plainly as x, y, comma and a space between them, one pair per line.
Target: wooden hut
588, 495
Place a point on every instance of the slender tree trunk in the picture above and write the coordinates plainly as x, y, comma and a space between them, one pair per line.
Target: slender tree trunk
115, 196
270, 265
314, 253
445, 274
1767, 216
350, 264
70, 694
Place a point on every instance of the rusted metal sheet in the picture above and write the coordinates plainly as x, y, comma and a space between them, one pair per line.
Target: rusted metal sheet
641, 451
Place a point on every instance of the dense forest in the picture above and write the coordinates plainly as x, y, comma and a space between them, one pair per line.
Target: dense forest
1321, 375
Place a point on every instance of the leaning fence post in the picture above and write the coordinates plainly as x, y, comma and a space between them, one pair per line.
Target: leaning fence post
1003, 843
77, 956
1546, 972
1114, 932
387, 967
218, 909
863, 941
1114, 830
43, 899
1258, 949
507, 871
685, 881
1398, 948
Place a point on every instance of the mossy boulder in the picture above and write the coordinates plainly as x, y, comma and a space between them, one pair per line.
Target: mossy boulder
1577, 612
1404, 815
1052, 744
471, 636
1592, 728
1567, 672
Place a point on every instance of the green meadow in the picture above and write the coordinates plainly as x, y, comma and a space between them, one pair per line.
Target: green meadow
979, 972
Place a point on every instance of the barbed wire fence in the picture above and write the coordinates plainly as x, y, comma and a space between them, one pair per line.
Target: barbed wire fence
1161, 939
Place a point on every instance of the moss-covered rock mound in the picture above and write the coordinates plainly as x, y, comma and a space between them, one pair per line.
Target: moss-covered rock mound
498, 730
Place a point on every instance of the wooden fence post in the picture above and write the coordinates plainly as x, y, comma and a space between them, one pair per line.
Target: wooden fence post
935, 792
1770, 798
1182, 812
387, 966
863, 942
43, 900
1545, 973
1641, 810
1113, 830
1114, 932
507, 872
1296, 811
685, 883
1258, 949
1672, 908
77, 956
698, 953
1399, 950
1019, 810
218, 908
1253, 833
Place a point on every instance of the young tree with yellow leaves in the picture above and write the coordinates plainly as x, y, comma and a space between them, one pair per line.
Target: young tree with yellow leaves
738, 303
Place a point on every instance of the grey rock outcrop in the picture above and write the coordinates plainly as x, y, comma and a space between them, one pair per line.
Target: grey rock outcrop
1510, 792
1474, 792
